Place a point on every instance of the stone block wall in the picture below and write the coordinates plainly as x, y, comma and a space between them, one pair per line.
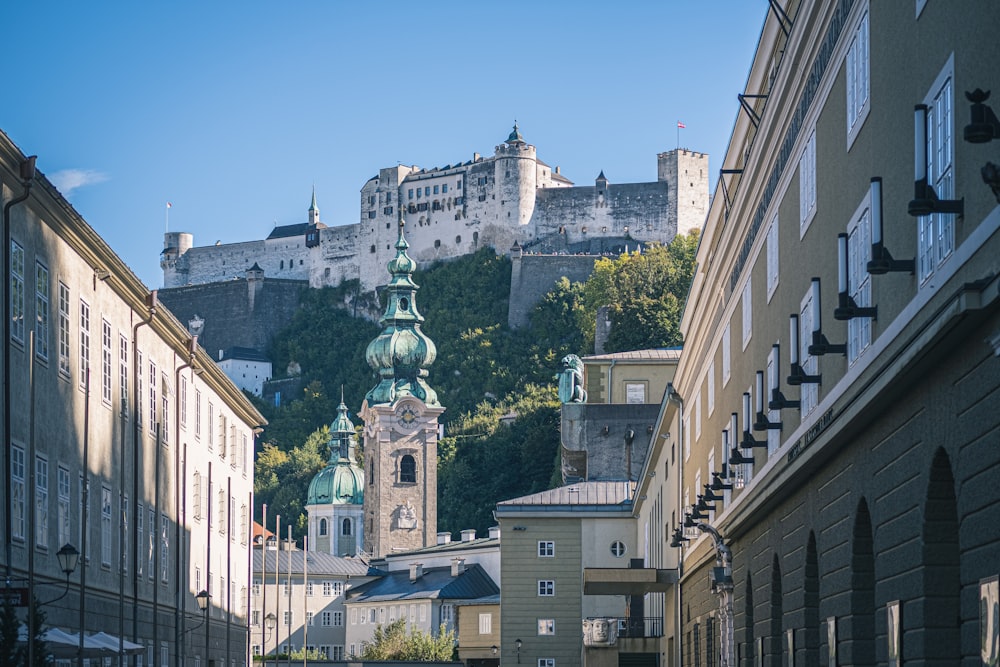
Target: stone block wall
533, 276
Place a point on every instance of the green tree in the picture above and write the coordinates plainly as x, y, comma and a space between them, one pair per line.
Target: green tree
10, 652
645, 295
392, 642
281, 479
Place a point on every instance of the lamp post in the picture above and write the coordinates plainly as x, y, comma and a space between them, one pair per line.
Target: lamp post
270, 623
68, 558
517, 645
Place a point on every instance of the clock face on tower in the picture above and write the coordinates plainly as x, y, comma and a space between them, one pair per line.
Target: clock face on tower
406, 418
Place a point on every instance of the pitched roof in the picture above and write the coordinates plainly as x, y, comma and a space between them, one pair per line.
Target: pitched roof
656, 354
435, 583
612, 495
320, 564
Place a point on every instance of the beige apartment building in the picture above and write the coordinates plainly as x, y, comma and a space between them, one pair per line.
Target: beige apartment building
126, 444
837, 398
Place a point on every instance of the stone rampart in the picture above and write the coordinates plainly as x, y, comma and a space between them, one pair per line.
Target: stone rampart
533, 276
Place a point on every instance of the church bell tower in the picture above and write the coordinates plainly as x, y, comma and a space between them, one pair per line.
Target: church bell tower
401, 423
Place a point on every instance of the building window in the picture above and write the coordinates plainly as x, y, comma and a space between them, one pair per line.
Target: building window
618, 549
327, 588
338, 618
84, 342
409, 193
345, 527
747, 311
255, 589
16, 292
41, 501
485, 623
221, 517
710, 388
322, 527
772, 258
325, 618
123, 372
546, 549
447, 614
726, 354
106, 362
546, 587
151, 541
164, 547
196, 496
936, 232
182, 400
106, 545
41, 311
859, 285
140, 514
211, 425
17, 491
152, 396
857, 79
809, 393
427, 191
546, 626
197, 414
64, 330
549, 662
309, 618
697, 416
62, 483
807, 184
407, 470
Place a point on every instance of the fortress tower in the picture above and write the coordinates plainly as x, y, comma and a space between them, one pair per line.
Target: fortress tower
686, 174
401, 423
516, 173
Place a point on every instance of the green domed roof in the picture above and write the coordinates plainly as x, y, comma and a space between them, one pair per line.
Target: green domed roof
342, 481
402, 352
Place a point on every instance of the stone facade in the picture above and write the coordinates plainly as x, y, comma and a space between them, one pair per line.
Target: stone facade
454, 210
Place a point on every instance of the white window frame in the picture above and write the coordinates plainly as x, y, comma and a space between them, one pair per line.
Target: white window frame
485, 623
727, 350
546, 549
63, 486
857, 64
807, 184
774, 416
546, 662
43, 295
64, 330
106, 380
123, 371
41, 501
338, 618
936, 232
165, 548
747, 301
546, 587
18, 475
546, 626
84, 341
17, 314
859, 284
809, 392
773, 258
107, 546
710, 388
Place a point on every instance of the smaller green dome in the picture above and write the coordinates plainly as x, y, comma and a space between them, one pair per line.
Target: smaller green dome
342, 481
515, 136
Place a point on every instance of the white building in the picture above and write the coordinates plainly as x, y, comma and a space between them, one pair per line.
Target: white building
126, 441
247, 368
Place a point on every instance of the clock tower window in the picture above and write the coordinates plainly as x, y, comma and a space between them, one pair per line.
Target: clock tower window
407, 470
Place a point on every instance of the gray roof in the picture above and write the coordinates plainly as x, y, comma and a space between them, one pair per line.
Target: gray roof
582, 494
320, 564
298, 229
435, 583
656, 354
244, 354
445, 548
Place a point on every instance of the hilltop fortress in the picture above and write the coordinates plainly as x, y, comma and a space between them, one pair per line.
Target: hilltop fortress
509, 200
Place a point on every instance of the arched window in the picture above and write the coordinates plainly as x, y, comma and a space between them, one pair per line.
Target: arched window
322, 527
408, 470
346, 528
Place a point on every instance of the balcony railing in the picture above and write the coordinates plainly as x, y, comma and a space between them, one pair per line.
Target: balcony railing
640, 628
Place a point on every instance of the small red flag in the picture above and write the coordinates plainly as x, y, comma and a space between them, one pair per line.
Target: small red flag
681, 125
169, 204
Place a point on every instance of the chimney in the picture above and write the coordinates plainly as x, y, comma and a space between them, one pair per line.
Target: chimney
222, 354
416, 571
457, 566
444, 538
475, 157
468, 534
494, 532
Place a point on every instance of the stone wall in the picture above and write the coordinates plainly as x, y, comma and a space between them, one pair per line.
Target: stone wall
591, 453
237, 313
533, 276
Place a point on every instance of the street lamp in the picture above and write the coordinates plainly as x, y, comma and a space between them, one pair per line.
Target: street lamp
68, 558
517, 645
202, 598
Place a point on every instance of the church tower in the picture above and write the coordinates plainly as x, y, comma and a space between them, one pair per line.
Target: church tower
401, 423
336, 494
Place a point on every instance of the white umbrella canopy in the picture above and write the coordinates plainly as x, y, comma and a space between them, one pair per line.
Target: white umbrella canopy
66, 645
105, 640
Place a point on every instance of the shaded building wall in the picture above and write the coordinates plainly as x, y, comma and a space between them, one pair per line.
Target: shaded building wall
593, 440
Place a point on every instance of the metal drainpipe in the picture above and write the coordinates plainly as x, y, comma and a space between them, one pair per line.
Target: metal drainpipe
180, 488
136, 436
27, 174
677, 400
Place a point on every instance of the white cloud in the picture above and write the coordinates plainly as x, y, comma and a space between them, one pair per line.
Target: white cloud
68, 180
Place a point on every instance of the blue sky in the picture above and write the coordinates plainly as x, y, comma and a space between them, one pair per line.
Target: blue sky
233, 111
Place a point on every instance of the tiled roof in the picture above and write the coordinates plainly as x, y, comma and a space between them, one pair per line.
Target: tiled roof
320, 564
608, 494
657, 354
435, 583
